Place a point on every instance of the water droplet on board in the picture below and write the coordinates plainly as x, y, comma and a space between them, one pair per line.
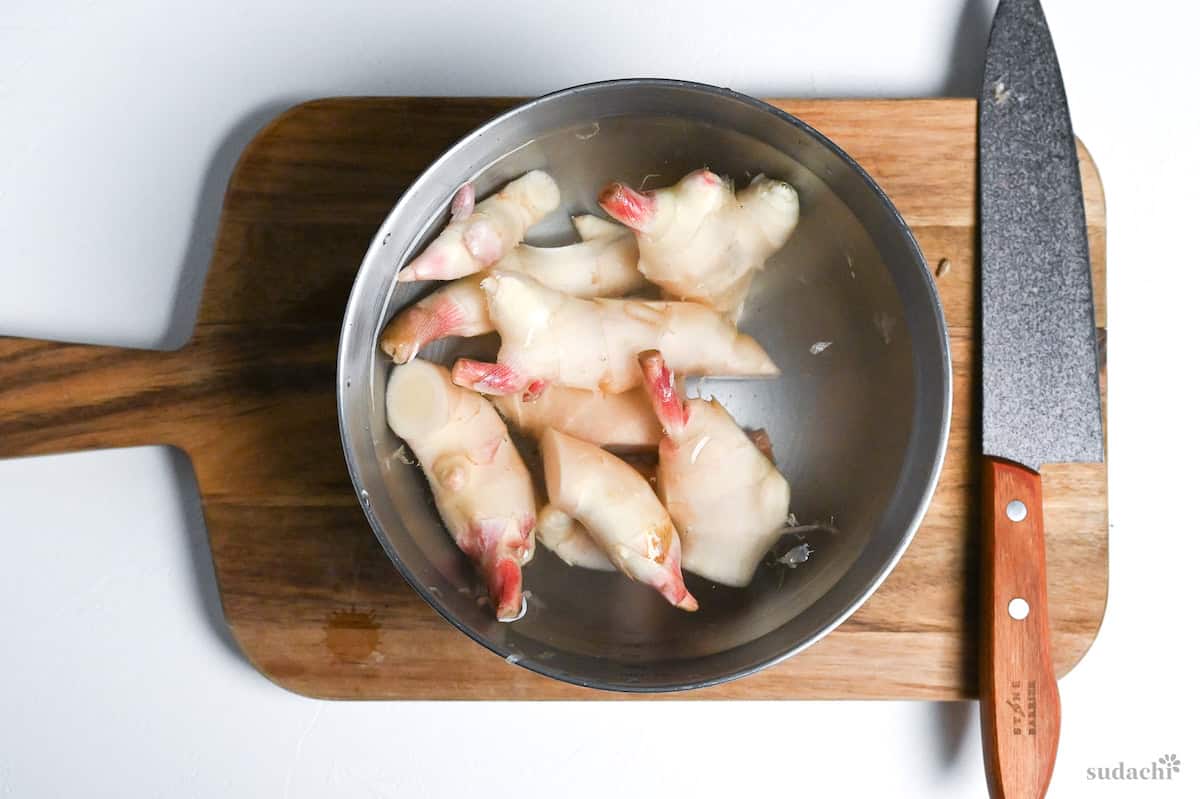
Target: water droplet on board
366, 498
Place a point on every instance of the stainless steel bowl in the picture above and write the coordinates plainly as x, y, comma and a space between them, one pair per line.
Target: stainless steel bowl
859, 428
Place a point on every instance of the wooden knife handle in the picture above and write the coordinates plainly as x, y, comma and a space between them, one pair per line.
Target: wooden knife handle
1018, 693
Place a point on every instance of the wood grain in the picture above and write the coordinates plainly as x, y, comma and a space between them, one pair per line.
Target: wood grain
1018, 694
309, 594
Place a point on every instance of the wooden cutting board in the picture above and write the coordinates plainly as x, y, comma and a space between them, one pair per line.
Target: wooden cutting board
309, 594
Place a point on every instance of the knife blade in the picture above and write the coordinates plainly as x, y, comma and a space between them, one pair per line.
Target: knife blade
1041, 393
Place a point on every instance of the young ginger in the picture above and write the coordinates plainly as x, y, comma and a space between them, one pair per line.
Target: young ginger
480, 484
568, 539
479, 236
624, 422
550, 337
726, 497
619, 510
699, 240
603, 264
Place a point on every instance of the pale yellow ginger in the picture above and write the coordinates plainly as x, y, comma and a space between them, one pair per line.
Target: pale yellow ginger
603, 264
620, 511
701, 241
480, 484
550, 337
726, 497
479, 236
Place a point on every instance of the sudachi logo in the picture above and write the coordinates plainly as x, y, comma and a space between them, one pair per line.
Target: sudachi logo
1164, 768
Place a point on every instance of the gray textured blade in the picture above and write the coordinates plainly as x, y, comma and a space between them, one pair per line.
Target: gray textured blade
1041, 394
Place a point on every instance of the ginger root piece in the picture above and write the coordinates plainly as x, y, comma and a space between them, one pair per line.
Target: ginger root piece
726, 497
620, 511
699, 240
623, 421
603, 264
456, 309
550, 337
479, 236
568, 539
480, 484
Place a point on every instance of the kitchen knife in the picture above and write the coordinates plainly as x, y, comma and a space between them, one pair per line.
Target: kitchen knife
1041, 393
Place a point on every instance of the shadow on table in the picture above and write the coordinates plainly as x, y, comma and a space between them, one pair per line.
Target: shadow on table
954, 724
964, 73
190, 285
203, 574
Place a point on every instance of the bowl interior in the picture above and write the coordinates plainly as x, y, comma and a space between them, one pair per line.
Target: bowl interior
857, 420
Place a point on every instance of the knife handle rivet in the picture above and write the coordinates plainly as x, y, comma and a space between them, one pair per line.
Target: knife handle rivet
1016, 511
1018, 609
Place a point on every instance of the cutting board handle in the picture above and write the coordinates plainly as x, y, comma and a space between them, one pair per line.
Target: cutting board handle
68, 397
1018, 691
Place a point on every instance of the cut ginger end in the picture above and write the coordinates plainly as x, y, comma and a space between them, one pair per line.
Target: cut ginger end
417, 398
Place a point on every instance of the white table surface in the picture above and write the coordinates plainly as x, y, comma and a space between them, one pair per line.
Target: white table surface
119, 126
